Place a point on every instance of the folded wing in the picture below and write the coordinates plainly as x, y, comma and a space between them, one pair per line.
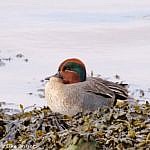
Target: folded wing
119, 89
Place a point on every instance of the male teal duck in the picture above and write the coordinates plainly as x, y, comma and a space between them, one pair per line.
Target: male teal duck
71, 91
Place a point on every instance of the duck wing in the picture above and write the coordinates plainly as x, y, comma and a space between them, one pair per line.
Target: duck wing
119, 89
94, 86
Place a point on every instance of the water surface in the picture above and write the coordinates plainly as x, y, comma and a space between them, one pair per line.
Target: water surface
111, 37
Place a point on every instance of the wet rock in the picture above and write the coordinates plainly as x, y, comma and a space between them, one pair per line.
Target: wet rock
26, 60
19, 55
2, 63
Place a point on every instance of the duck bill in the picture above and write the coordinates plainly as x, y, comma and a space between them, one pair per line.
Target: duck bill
47, 78
58, 75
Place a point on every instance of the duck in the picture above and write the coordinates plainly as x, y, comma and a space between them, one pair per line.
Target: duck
70, 91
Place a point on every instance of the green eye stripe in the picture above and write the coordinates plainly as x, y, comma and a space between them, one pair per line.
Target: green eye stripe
77, 68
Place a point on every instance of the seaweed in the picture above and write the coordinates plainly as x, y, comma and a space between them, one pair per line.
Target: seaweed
122, 127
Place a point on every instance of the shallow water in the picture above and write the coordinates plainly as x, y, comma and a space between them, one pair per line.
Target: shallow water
111, 37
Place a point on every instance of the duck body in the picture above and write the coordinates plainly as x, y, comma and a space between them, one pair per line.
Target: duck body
80, 96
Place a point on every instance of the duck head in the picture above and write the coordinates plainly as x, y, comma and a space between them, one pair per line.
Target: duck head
71, 71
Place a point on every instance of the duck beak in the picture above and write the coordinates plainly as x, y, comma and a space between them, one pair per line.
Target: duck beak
47, 78
58, 75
